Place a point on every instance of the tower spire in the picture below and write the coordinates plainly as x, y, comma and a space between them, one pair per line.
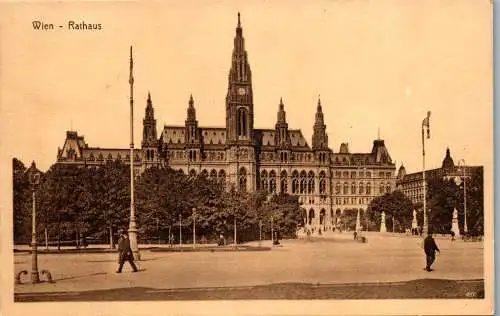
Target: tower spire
320, 139
378, 133
239, 21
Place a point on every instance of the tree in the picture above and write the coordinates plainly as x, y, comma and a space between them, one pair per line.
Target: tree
21, 202
442, 199
397, 207
444, 195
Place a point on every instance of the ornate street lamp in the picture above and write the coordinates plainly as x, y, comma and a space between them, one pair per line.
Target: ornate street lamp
425, 124
35, 181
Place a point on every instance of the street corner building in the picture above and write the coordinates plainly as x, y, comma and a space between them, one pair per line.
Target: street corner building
276, 160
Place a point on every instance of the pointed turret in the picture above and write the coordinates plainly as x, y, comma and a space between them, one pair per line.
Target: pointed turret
281, 127
281, 113
191, 135
320, 139
401, 172
448, 163
191, 112
380, 154
150, 112
149, 136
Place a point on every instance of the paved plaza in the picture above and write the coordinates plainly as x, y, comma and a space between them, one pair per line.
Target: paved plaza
330, 261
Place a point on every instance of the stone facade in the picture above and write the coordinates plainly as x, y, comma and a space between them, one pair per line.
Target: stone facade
412, 184
277, 160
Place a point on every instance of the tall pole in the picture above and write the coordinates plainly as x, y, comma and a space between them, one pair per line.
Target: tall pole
180, 230
132, 230
272, 232
465, 204
234, 231
462, 163
35, 277
260, 232
194, 228
425, 123
46, 239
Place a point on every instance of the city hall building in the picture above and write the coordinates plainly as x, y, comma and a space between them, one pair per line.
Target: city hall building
277, 160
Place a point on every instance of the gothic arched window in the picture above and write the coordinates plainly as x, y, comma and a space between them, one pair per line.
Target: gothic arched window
346, 188
272, 181
242, 122
368, 188
192, 173
295, 186
222, 176
243, 179
213, 175
322, 186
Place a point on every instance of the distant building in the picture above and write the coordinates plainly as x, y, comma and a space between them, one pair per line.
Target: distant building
276, 160
412, 184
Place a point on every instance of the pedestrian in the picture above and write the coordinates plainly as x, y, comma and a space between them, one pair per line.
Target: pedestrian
355, 234
125, 252
170, 240
430, 249
452, 233
221, 240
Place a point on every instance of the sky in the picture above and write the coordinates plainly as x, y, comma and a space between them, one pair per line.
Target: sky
377, 65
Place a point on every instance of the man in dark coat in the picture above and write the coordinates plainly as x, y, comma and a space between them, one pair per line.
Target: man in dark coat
430, 249
125, 252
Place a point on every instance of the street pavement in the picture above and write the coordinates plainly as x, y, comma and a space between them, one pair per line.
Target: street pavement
323, 263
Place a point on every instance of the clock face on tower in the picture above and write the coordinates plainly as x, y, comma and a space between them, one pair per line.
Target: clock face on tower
242, 91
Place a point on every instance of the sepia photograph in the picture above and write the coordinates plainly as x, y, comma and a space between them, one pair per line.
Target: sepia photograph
266, 157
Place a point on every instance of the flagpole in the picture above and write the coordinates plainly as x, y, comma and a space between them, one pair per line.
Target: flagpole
132, 230
425, 123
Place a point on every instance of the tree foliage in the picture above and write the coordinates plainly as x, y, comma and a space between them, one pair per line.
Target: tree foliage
397, 207
96, 202
444, 195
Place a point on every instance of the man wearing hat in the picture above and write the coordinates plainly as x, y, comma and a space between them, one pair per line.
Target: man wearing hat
125, 252
430, 249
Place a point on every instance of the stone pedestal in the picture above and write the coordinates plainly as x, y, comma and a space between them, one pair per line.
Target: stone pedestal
414, 221
358, 222
454, 223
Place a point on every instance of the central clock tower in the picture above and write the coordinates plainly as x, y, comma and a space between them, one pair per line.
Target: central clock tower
239, 118
239, 99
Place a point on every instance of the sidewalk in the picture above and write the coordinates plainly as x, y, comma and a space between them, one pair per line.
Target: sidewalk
315, 262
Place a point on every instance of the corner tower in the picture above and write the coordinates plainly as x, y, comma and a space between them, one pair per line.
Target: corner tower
149, 137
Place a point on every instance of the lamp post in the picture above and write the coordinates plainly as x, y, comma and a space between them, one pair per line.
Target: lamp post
180, 229
35, 277
234, 231
194, 227
425, 124
272, 232
260, 233
132, 230
462, 163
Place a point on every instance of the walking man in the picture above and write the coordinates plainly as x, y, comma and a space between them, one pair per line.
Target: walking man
430, 249
125, 252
